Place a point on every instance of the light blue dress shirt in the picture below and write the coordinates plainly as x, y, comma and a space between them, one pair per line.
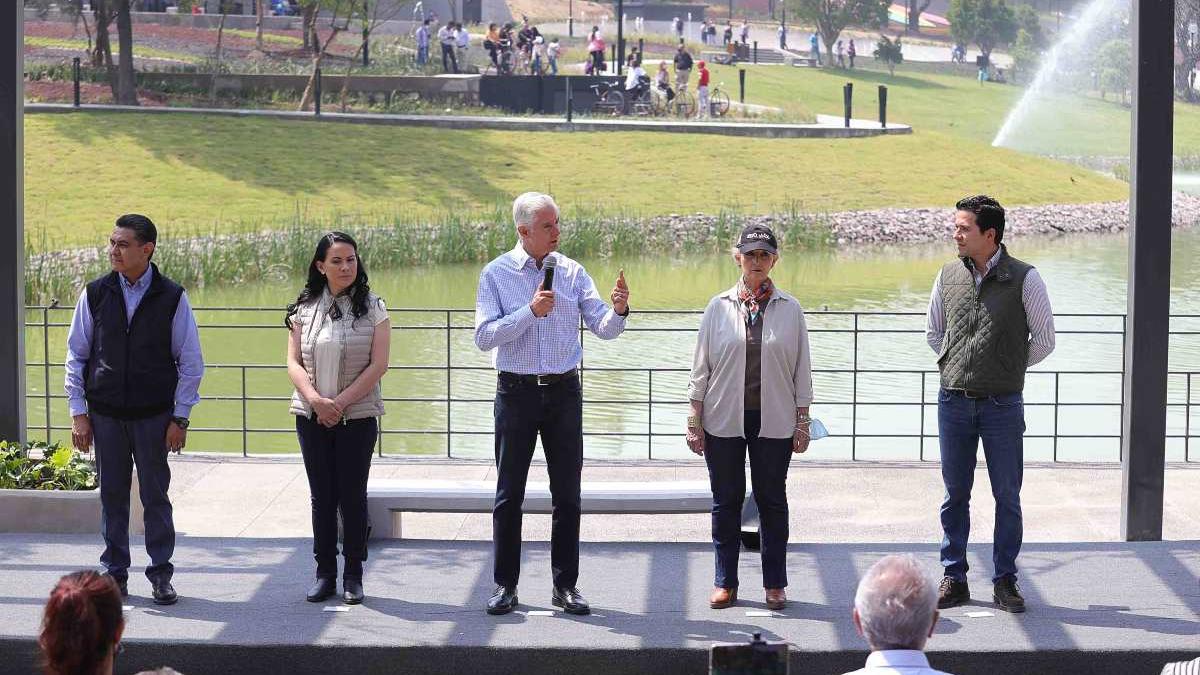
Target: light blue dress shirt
185, 346
523, 343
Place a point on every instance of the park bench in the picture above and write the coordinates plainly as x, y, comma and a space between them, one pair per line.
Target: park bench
387, 498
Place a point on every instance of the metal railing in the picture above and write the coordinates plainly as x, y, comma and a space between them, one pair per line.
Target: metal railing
855, 326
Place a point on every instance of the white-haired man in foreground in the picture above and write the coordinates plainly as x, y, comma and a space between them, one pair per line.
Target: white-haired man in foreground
895, 610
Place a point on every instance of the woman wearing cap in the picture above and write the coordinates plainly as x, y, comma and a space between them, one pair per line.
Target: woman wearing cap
750, 389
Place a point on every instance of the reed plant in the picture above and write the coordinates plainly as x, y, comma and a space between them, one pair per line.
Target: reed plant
243, 253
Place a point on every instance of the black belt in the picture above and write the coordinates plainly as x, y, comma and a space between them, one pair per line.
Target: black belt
973, 393
539, 380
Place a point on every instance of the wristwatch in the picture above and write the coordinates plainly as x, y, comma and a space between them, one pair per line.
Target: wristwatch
181, 422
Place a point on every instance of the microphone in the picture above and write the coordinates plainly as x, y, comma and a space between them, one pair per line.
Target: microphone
548, 282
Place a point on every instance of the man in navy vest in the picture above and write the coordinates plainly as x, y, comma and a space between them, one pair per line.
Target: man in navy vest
989, 320
133, 374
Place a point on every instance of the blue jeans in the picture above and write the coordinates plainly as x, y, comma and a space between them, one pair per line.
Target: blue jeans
769, 461
423, 54
999, 421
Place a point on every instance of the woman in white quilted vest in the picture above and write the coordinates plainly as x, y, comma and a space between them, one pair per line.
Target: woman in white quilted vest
337, 353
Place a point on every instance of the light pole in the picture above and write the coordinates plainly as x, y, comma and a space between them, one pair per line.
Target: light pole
570, 18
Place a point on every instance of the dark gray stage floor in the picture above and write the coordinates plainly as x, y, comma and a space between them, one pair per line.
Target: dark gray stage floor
1108, 607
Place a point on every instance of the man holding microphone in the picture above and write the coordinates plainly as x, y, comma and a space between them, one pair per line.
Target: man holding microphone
528, 307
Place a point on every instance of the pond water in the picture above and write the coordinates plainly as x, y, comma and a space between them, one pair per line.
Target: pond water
1085, 276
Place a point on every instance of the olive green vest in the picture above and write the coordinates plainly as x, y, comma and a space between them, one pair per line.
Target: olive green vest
986, 344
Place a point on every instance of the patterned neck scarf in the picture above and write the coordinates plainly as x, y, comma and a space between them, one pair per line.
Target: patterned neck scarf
754, 300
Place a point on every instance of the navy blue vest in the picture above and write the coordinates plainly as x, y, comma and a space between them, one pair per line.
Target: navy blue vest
131, 373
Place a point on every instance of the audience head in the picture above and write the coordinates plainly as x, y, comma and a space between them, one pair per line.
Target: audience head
82, 625
896, 604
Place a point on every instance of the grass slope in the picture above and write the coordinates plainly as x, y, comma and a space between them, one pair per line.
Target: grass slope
959, 107
81, 171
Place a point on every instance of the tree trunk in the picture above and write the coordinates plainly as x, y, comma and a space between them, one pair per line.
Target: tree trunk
345, 93
126, 83
259, 10
310, 87
102, 53
212, 84
312, 41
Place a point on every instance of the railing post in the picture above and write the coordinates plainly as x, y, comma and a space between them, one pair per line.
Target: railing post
650, 414
882, 106
317, 96
847, 99
854, 394
741, 85
921, 447
449, 406
1187, 416
755, 52
245, 422
570, 100
1054, 429
75, 74
46, 365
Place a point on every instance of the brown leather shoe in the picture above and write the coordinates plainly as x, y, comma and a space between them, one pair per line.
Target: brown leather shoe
776, 598
722, 598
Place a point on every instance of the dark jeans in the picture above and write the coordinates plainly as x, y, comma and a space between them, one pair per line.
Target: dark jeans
999, 421
449, 59
522, 412
120, 445
769, 461
338, 461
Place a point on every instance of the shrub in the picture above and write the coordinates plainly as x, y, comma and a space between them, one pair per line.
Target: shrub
53, 468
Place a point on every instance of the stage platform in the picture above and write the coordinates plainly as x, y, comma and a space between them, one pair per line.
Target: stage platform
1093, 608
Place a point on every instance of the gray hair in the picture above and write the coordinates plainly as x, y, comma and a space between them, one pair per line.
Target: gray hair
526, 207
896, 601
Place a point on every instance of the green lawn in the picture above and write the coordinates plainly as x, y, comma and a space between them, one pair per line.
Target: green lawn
959, 108
81, 45
81, 171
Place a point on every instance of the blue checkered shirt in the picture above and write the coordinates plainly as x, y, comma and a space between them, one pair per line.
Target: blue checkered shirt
521, 342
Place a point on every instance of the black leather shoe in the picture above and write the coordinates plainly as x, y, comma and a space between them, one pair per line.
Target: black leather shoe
352, 591
503, 600
164, 593
1007, 596
571, 601
122, 583
952, 593
321, 590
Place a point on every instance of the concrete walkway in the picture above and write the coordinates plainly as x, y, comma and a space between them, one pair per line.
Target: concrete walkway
857, 129
830, 502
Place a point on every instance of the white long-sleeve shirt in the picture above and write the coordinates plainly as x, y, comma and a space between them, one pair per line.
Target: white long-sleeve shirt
1037, 312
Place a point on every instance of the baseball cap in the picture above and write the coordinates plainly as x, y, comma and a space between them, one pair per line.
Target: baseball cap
757, 238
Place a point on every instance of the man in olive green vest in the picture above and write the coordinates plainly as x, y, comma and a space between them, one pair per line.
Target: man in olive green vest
989, 320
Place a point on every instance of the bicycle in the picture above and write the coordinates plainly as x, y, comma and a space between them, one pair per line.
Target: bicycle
684, 104
609, 99
718, 102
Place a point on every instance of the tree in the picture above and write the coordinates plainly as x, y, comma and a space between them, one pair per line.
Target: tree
914, 13
337, 8
371, 13
890, 52
1187, 13
1113, 64
126, 82
986, 23
1025, 54
260, 8
832, 16
1028, 21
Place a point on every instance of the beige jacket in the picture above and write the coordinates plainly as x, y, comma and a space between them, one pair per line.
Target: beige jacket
356, 336
719, 366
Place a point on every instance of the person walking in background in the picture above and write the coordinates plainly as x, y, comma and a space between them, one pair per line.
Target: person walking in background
989, 320
841, 54
728, 35
533, 333
596, 50
423, 43
745, 32
462, 42
683, 67
539, 55
552, 50
133, 372
814, 47
750, 391
337, 352
703, 109
446, 40
852, 51
82, 625
782, 30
